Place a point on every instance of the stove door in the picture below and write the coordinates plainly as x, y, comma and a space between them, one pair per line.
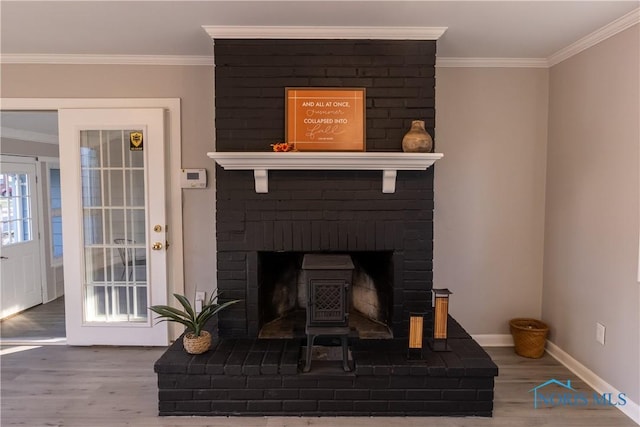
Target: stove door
328, 302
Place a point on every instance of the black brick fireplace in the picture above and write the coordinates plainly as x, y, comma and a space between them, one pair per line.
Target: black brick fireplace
322, 211
262, 237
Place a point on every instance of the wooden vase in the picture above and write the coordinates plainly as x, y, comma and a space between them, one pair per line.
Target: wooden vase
417, 140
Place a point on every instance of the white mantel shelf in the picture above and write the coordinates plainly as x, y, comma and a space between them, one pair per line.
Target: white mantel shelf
262, 162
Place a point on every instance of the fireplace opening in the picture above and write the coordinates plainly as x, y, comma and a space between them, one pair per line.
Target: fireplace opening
282, 294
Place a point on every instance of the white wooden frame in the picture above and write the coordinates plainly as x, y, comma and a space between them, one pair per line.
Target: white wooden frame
37, 197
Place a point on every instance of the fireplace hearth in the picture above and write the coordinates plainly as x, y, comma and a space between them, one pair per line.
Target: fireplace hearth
263, 377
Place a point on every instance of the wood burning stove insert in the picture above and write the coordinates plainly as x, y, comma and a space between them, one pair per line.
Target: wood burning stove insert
328, 279
282, 295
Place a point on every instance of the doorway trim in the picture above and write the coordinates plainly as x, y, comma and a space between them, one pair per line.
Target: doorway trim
45, 164
174, 196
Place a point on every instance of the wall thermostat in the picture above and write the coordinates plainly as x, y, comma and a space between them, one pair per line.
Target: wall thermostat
194, 178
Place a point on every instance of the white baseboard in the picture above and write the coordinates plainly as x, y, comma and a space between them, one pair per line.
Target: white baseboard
631, 409
494, 340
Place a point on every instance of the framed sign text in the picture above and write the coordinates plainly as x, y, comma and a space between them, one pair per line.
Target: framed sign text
325, 119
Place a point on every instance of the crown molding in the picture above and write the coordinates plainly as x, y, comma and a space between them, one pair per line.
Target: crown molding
81, 59
336, 32
609, 30
323, 32
491, 63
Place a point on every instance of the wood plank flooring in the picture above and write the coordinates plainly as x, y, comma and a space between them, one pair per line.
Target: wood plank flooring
42, 322
116, 386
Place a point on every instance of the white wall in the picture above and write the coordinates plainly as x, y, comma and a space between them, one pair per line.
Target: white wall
592, 225
19, 147
491, 125
192, 84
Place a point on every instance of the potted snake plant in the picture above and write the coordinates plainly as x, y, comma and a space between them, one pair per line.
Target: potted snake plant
196, 340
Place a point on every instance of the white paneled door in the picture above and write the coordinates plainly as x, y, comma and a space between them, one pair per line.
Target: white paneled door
20, 279
113, 212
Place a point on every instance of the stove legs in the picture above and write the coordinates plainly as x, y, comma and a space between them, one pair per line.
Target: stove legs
343, 333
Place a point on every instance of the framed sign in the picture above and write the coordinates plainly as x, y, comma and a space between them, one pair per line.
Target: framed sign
325, 119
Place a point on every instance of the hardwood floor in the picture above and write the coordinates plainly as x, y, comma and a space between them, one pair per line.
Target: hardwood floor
42, 322
116, 386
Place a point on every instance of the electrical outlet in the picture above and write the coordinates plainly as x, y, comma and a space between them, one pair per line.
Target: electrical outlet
600, 329
200, 296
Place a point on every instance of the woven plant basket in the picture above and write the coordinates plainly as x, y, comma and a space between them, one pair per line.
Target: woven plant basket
529, 337
196, 345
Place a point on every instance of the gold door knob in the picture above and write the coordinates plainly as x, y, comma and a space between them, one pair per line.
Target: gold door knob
156, 246
157, 228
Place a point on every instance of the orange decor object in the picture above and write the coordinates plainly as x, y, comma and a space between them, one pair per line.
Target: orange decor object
282, 147
415, 331
440, 317
325, 119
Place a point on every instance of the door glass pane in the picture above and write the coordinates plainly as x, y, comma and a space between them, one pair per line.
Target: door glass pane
94, 262
113, 195
114, 148
134, 159
137, 223
92, 232
15, 208
90, 151
134, 177
115, 189
114, 224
